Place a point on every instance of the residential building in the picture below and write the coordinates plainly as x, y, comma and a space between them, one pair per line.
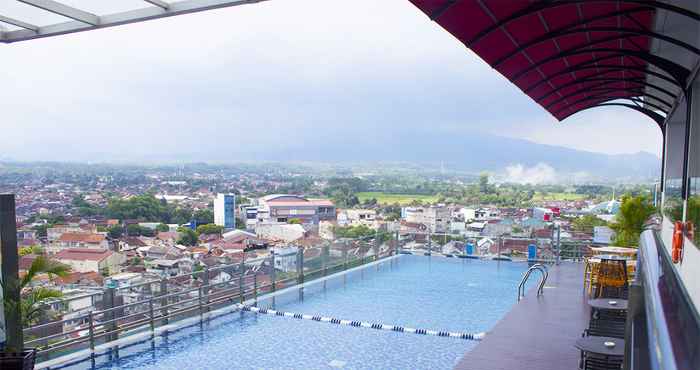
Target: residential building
284, 207
436, 218
357, 217
225, 210
91, 260
78, 240
282, 232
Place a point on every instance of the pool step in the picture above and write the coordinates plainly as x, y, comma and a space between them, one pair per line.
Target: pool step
362, 324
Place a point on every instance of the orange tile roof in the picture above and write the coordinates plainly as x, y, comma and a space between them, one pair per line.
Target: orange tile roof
82, 238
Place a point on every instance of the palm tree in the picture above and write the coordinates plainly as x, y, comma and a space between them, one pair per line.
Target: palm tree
31, 297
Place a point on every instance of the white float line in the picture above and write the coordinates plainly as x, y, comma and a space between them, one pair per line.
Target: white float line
362, 324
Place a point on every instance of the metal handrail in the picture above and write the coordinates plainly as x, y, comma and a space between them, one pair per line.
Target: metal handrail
540, 288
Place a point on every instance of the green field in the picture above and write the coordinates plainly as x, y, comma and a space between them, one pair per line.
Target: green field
402, 199
558, 196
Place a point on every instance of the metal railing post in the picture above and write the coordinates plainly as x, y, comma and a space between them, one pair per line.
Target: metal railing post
91, 331
273, 273
300, 266
345, 256
111, 315
164, 301
206, 289
240, 278
375, 245
199, 301
324, 259
255, 287
398, 244
151, 314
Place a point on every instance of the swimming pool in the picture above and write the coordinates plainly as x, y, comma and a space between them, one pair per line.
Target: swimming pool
436, 293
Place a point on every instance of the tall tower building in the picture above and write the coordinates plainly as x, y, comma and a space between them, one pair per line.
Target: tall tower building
225, 210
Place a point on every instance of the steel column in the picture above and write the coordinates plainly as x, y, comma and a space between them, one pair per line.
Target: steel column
10, 271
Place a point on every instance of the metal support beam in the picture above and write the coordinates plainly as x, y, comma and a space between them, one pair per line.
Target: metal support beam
675, 70
659, 119
117, 19
18, 23
685, 187
159, 3
640, 81
623, 33
64, 10
10, 272
603, 68
542, 5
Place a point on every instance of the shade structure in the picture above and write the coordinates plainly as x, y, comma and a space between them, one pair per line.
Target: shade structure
572, 55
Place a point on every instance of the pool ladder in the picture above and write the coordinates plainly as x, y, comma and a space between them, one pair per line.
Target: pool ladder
540, 288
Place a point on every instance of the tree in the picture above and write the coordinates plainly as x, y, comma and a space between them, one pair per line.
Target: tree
353, 232
587, 223
204, 216
162, 228
634, 212
31, 298
115, 231
187, 236
209, 229
133, 230
484, 183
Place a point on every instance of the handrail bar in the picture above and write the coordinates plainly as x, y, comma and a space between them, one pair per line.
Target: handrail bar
544, 275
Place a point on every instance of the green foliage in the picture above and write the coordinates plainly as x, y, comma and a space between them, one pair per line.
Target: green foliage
31, 298
162, 228
484, 183
294, 221
360, 231
634, 212
138, 230
240, 223
587, 223
34, 249
209, 229
187, 237
147, 208
115, 231
204, 216
41, 230
83, 208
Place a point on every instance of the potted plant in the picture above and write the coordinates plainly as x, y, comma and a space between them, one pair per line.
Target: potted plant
29, 309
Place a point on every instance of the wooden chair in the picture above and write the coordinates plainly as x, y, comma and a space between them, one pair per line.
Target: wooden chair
590, 274
612, 275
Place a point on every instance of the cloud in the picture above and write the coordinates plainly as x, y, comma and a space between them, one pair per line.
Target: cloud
540, 173
212, 85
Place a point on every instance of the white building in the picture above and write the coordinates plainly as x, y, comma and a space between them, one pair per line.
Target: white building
284, 232
225, 210
437, 218
285, 258
603, 235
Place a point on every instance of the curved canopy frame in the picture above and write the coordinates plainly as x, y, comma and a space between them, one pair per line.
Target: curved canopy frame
572, 55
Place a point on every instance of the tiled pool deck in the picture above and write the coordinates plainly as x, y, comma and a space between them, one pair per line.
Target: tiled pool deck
539, 332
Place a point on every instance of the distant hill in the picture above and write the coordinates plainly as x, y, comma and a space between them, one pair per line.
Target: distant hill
473, 153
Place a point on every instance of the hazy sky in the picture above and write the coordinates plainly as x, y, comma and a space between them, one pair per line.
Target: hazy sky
267, 75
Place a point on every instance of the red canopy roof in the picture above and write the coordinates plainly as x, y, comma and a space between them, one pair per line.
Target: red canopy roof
568, 55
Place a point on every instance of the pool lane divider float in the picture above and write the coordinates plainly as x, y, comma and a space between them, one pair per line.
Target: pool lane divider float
362, 324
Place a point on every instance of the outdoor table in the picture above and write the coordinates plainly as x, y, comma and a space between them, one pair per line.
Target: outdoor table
622, 251
604, 304
595, 346
592, 344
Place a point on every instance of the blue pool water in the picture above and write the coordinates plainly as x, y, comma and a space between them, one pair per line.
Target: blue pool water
413, 291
